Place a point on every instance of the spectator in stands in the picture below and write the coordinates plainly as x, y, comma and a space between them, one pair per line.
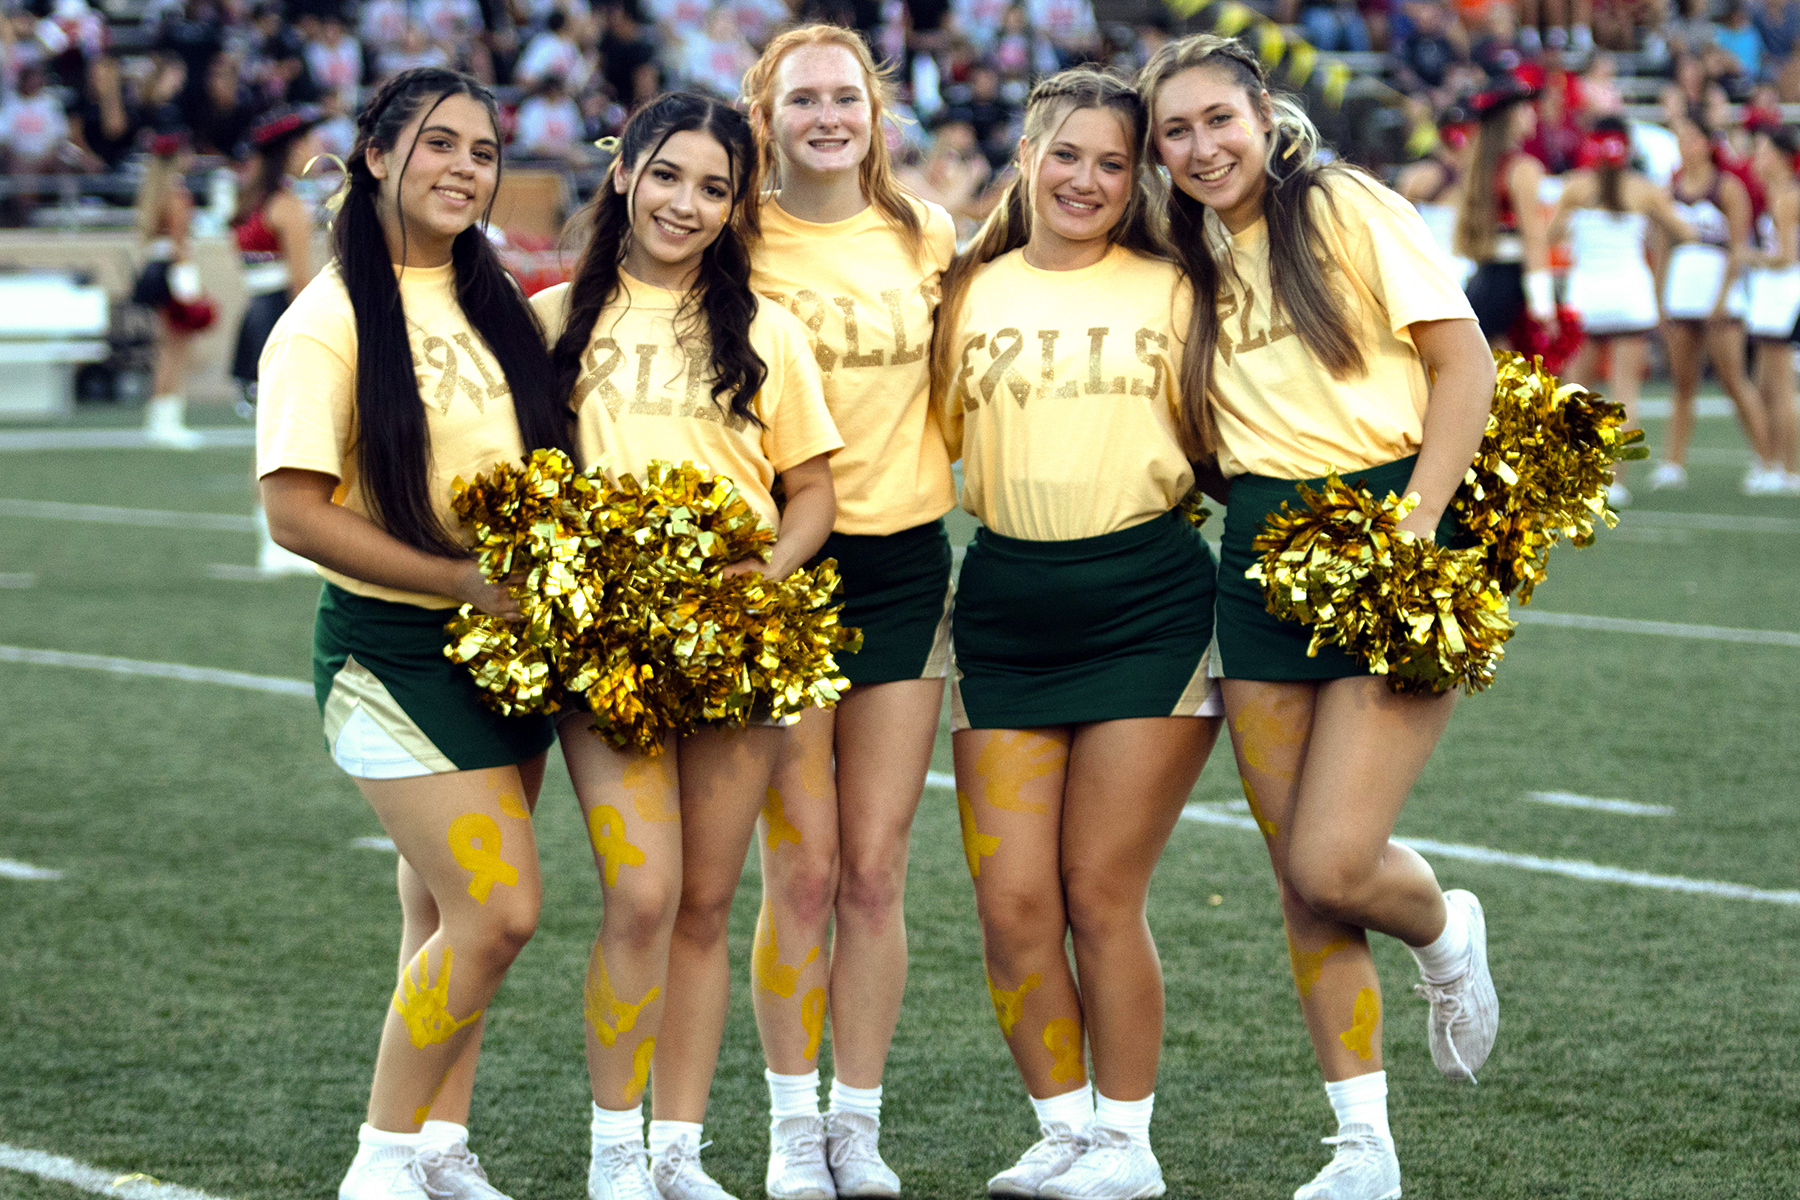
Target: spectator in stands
1423, 59
451, 22
383, 24
282, 72
549, 123
953, 172
553, 53
195, 34
106, 123
1556, 142
335, 59
995, 119
414, 49
715, 59
1012, 51
1600, 90
1333, 25
979, 21
34, 132
230, 107
628, 55
1496, 51
1738, 45
1066, 33
336, 130
1778, 24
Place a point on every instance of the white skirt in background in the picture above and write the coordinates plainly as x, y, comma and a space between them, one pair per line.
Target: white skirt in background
1695, 276
1774, 302
1614, 300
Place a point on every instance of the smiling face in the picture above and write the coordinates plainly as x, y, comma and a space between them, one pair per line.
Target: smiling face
1215, 142
822, 118
680, 201
1081, 179
445, 185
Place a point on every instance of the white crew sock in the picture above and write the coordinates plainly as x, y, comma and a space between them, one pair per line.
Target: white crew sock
1362, 1100
792, 1095
866, 1101
370, 1141
441, 1135
612, 1126
664, 1134
1129, 1117
1448, 957
1074, 1109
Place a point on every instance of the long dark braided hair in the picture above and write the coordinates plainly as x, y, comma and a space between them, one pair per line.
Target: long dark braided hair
393, 450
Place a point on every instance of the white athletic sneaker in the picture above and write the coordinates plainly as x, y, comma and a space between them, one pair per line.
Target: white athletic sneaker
1790, 484
1113, 1168
453, 1173
1465, 1012
384, 1173
620, 1171
852, 1148
797, 1167
1364, 1168
1668, 476
1618, 495
678, 1174
1051, 1155
1762, 480
165, 424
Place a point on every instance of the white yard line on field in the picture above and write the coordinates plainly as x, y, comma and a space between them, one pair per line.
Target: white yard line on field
12, 868
1709, 633
1623, 807
93, 1179
372, 843
217, 437
1210, 814
17, 579
100, 514
1709, 522
1704, 406
132, 666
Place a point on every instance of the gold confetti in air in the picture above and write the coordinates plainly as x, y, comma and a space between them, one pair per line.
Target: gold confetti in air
1432, 618
624, 607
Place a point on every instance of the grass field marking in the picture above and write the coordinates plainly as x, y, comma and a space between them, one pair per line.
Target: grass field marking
1213, 814
1707, 522
1623, 807
93, 1179
1711, 633
161, 670
940, 779
12, 868
217, 437
1713, 405
17, 579
373, 843
100, 514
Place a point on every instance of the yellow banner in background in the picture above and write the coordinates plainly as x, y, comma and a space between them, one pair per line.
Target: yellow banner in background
1232, 18
1271, 46
1301, 60
1337, 78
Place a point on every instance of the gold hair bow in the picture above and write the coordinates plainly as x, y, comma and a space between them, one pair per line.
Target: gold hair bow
607, 145
334, 201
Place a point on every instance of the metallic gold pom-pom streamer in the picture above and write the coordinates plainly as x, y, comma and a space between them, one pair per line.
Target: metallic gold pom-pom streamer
1431, 618
1420, 614
624, 604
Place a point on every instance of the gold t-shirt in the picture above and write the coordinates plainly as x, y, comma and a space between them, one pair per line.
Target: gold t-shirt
306, 398
1279, 411
867, 303
1063, 400
645, 393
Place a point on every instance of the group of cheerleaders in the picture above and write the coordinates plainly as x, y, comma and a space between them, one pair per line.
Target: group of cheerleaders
757, 294
1707, 259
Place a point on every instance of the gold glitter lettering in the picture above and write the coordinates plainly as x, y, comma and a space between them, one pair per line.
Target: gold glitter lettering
425, 1006
852, 339
976, 844
1228, 304
1003, 367
1047, 368
1145, 338
1246, 342
475, 844
1095, 385
1010, 1006
693, 403
496, 388
1062, 1037
599, 376
448, 378
815, 324
902, 353
606, 833
1365, 1019
641, 402
970, 403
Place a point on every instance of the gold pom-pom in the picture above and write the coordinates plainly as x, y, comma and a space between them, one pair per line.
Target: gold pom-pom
624, 603
1422, 615
1542, 471
1193, 507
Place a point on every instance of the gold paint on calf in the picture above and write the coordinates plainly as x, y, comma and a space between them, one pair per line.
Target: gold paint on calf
606, 1013
765, 957
640, 1070
647, 781
1062, 1037
1009, 761
606, 833
425, 1006
1365, 1019
1308, 965
976, 844
475, 844
812, 1019
1010, 1006
780, 828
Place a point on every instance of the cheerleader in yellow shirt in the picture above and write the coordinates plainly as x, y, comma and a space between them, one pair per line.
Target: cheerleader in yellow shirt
1081, 704
410, 360
858, 260
1325, 336
664, 352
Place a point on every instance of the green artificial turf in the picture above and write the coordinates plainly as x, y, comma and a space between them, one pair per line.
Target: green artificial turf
199, 997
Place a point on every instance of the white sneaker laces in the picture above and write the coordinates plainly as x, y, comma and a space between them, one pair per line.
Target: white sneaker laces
1354, 1152
616, 1161
1446, 1000
853, 1145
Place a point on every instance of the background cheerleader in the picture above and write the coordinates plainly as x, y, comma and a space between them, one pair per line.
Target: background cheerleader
169, 284
859, 259
1081, 626
1774, 309
413, 360
1385, 377
664, 352
1703, 297
1606, 210
1500, 225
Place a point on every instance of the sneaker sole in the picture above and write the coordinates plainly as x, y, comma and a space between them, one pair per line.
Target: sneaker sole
1478, 943
1158, 1189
